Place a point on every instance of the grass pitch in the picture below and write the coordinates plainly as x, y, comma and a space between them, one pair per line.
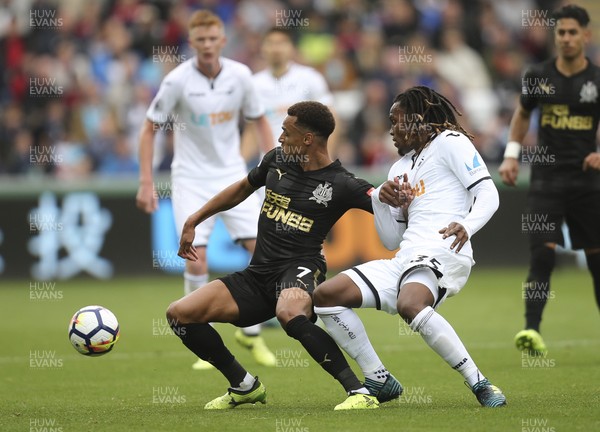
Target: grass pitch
147, 384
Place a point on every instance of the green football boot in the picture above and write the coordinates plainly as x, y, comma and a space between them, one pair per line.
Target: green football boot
233, 398
356, 401
256, 344
531, 341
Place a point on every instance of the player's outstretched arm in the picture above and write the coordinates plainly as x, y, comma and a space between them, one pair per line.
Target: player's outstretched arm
146, 200
224, 200
519, 125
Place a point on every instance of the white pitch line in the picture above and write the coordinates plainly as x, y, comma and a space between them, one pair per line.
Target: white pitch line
117, 356
493, 345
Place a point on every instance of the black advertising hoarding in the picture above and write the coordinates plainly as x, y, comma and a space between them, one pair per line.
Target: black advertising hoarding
51, 233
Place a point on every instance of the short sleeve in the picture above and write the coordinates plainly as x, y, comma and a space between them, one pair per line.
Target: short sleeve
359, 193
165, 100
258, 175
529, 92
252, 107
463, 159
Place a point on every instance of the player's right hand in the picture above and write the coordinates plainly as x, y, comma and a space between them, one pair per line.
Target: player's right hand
186, 248
509, 170
396, 194
146, 200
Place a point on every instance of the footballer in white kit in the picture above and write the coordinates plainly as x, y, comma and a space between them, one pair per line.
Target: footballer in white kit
203, 99
437, 196
207, 155
445, 177
284, 82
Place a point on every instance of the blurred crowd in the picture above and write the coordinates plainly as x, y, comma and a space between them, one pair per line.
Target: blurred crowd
79, 75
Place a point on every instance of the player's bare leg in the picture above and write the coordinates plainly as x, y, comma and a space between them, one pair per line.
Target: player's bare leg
293, 310
537, 292
249, 337
333, 300
415, 302
189, 318
194, 277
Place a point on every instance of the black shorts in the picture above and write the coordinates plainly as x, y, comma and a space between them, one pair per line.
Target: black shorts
256, 289
547, 210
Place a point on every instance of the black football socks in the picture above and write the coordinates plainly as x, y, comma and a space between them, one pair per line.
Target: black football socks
323, 349
537, 288
206, 343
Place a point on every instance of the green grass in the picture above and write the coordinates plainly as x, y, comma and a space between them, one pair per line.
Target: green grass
115, 392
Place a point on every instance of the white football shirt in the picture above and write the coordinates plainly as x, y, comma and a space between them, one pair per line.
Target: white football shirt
442, 177
205, 116
299, 83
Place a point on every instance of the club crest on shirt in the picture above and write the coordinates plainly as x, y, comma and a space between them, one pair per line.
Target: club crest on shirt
322, 194
589, 92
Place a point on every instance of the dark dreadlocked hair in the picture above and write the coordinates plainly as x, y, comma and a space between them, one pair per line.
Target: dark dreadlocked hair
427, 110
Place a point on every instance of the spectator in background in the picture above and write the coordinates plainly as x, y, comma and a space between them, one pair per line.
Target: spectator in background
119, 160
464, 68
11, 123
101, 52
370, 125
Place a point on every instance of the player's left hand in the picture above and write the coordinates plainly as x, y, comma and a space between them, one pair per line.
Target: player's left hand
455, 229
592, 161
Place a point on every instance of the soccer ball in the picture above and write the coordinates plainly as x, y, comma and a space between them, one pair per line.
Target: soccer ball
94, 330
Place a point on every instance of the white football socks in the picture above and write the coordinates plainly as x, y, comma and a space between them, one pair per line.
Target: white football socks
348, 331
192, 282
246, 383
252, 330
442, 338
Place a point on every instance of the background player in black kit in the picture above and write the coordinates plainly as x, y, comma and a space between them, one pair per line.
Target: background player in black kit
565, 183
305, 194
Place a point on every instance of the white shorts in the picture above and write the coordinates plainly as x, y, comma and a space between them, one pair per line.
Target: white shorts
380, 281
188, 195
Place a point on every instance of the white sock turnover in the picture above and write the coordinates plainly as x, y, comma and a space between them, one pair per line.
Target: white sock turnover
192, 282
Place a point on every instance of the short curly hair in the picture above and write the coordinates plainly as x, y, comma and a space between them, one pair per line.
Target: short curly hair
313, 116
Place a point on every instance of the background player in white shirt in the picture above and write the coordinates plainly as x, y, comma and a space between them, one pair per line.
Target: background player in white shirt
202, 98
282, 84
446, 195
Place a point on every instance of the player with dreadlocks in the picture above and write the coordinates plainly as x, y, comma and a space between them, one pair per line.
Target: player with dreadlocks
437, 196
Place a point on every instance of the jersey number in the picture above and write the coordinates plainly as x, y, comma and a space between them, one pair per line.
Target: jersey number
421, 258
304, 272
